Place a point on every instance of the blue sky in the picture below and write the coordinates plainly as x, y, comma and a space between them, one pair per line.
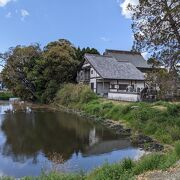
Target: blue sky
95, 23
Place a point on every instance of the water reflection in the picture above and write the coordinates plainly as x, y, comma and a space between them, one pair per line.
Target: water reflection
31, 135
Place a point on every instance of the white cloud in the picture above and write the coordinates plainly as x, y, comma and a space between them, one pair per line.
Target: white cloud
9, 15
24, 14
5, 2
105, 39
124, 5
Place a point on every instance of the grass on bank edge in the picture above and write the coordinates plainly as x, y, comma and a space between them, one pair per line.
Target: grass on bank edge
160, 120
128, 169
50, 176
125, 170
5, 96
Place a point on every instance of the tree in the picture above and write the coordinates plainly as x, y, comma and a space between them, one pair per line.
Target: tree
35, 74
58, 67
156, 26
154, 63
81, 52
19, 62
162, 79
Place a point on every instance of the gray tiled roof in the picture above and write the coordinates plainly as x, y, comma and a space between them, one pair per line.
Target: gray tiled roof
135, 58
109, 68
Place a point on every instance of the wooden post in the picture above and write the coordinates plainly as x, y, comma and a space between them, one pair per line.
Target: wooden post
103, 84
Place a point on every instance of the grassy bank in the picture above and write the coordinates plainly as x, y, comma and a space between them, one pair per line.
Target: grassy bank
160, 120
129, 169
6, 95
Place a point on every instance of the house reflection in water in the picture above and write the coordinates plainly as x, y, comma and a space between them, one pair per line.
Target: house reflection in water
98, 145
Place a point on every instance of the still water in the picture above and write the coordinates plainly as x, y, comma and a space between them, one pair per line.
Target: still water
36, 139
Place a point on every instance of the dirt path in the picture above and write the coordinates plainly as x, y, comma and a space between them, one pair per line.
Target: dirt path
171, 174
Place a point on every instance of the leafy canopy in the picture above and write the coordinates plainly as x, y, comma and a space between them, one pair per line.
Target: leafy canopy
36, 74
156, 29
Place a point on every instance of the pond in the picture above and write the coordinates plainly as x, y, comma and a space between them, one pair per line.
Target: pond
33, 140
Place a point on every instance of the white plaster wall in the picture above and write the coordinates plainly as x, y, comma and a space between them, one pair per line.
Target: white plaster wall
124, 97
113, 90
137, 84
95, 74
93, 81
140, 84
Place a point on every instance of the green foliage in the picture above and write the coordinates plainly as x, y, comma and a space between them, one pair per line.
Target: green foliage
6, 95
19, 63
37, 74
81, 52
128, 169
160, 120
58, 176
6, 178
73, 94
51, 176
119, 171
174, 109
114, 112
177, 149
148, 163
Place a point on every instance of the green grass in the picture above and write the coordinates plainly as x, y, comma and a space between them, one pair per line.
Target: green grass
6, 95
128, 169
160, 120
51, 176
125, 170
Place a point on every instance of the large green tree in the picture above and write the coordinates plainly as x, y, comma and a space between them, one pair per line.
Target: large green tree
81, 52
59, 66
35, 74
156, 27
19, 62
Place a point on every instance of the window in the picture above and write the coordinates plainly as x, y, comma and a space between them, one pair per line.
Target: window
123, 87
113, 86
92, 72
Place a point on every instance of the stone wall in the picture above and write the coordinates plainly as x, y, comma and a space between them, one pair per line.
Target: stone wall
124, 96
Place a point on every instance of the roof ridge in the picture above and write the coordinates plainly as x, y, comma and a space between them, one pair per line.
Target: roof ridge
99, 55
121, 52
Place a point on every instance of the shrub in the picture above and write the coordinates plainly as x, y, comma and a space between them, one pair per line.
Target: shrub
71, 94
173, 109
163, 136
174, 132
110, 172
127, 164
149, 162
151, 128
49, 94
114, 113
6, 95
86, 94
126, 109
161, 103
